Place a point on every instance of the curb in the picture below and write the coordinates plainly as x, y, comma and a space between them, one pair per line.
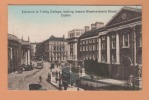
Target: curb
54, 85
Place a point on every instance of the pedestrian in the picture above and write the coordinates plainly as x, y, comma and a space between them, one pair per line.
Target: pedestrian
56, 74
78, 82
71, 82
40, 79
86, 86
92, 76
60, 79
60, 85
65, 84
59, 74
49, 77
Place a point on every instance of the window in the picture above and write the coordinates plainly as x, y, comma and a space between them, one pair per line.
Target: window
94, 40
83, 42
126, 40
103, 58
71, 54
71, 46
113, 44
90, 48
94, 48
83, 48
97, 47
103, 37
72, 35
113, 35
86, 48
90, 41
80, 42
97, 40
113, 58
86, 41
80, 48
77, 33
103, 46
54, 48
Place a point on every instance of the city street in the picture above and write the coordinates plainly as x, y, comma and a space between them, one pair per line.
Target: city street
21, 81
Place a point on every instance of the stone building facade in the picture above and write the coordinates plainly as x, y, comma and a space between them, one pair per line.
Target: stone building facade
33, 51
88, 42
18, 52
123, 40
72, 40
53, 49
114, 50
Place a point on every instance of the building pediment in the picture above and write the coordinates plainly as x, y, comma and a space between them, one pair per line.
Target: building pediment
124, 15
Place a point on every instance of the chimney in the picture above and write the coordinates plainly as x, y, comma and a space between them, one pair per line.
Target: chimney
87, 28
93, 26
99, 25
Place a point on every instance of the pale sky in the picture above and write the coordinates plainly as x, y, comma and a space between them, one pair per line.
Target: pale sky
40, 26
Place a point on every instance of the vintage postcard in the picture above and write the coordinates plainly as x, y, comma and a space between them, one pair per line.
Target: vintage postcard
75, 47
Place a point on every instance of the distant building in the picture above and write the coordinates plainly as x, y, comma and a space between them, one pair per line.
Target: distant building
53, 49
33, 51
72, 40
88, 42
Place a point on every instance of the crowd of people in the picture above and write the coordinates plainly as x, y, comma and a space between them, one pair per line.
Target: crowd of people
62, 80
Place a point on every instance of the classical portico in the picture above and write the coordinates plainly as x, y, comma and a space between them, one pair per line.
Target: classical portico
25, 52
13, 52
123, 43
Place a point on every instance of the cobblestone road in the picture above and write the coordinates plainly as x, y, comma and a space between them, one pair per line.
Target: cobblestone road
21, 81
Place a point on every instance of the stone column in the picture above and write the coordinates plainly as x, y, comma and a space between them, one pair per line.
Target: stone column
68, 50
99, 50
108, 50
11, 57
117, 49
28, 57
75, 50
25, 58
73, 54
11, 53
134, 46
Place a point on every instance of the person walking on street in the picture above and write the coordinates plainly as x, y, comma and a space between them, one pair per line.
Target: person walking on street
92, 77
56, 74
65, 84
49, 77
60, 85
40, 79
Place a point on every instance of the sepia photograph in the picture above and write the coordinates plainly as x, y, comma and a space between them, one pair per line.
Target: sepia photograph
75, 47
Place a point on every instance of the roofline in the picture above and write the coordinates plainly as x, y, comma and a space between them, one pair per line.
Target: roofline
100, 29
126, 8
124, 21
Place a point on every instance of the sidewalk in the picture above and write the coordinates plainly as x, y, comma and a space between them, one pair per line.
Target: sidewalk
70, 88
100, 81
